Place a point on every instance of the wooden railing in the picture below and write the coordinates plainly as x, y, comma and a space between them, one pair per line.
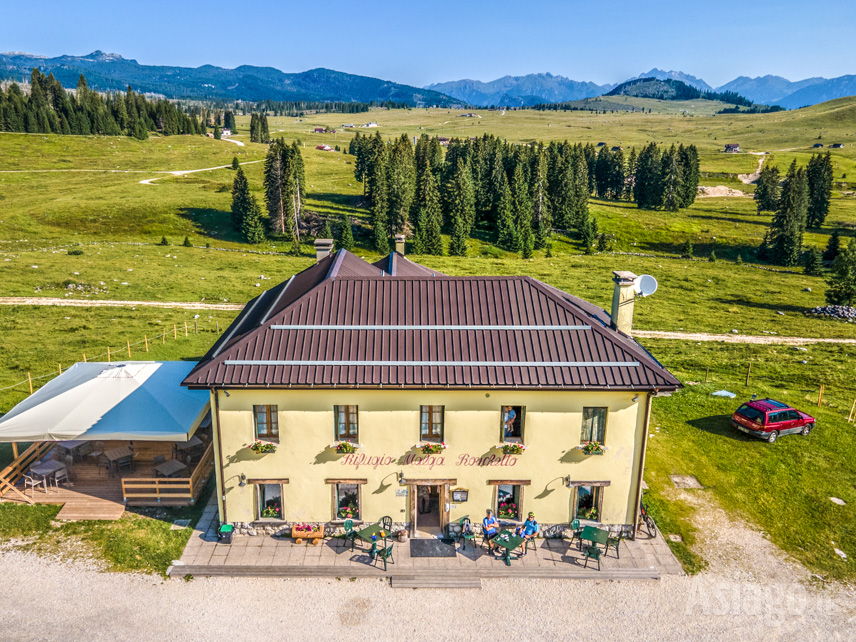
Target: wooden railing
157, 489
12, 474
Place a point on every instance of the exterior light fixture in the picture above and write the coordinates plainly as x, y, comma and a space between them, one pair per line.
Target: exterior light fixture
636, 398
401, 477
243, 481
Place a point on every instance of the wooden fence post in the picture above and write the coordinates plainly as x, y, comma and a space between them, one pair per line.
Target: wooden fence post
174, 331
820, 396
108, 354
706, 373
146, 339
84, 357
60, 368
185, 328
748, 372
128, 341
218, 327
852, 410
163, 338
30, 380
15, 450
195, 327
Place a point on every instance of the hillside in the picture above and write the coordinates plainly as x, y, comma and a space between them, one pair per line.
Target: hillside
520, 91
692, 81
669, 89
106, 71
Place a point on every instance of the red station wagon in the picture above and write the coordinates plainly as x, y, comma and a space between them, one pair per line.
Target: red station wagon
767, 419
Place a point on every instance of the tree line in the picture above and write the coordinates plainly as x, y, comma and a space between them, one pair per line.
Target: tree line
259, 130
50, 109
301, 107
514, 195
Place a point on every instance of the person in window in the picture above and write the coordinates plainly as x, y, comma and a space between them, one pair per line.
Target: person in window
424, 500
529, 529
508, 417
490, 524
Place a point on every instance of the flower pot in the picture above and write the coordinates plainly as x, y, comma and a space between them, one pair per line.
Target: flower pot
314, 535
402, 537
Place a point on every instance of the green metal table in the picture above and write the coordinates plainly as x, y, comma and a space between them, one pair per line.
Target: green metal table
594, 535
373, 530
507, 541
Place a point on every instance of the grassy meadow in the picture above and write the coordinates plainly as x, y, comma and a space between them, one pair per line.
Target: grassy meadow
61, 193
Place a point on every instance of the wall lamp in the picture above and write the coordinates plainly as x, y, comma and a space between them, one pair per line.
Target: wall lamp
243, 481
226, 392
401, 477
636, 398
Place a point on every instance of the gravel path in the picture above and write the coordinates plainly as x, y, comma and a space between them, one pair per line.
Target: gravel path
106, 303
736, 338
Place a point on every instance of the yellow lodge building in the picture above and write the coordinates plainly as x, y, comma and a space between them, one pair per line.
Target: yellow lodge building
358, 391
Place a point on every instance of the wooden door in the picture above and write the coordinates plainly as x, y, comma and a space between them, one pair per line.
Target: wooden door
411, 502
444, 507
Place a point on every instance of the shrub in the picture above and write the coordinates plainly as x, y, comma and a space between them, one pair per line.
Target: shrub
712, 257
235, 163
163, 241
491, 252
75, 252
687, 250
187, 242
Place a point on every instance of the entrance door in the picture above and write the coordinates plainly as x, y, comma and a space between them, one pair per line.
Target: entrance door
429, 513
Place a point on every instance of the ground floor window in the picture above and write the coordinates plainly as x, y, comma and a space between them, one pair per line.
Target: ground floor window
348, 501
588, 502
269, 500
508, 501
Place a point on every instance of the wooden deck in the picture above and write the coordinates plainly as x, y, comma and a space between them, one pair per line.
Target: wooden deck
94, 494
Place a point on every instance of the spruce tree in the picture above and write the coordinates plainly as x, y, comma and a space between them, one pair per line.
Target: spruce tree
275, 184
240, 199
767, 189
401, 180
346, 235
459, 197
690, 174
506, 230
819, 174
813, 262
458, 240
187, 242
432, 213
588, 232
842, 285
671, 179
647, 187
252, 226
326, 231
235, 163
541, 219
786, 230
379, 204
833, 246
522, 207
216, 133
565, 196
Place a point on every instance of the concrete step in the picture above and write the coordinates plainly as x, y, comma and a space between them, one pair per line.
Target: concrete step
436, 582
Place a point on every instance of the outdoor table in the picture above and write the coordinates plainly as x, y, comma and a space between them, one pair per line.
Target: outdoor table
508, 541
182, 448
368, 531
170, 468
47, 469
115, 455
593, 535
72, 446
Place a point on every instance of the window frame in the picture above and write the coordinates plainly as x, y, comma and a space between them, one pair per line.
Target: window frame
346, 409
271, 411
597, 501
432, 410
605, 410
258, 498
517, 497
337, 507
521, 416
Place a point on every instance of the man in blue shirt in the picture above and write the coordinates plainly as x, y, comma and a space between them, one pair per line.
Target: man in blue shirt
529, 529
508, 419
490, 525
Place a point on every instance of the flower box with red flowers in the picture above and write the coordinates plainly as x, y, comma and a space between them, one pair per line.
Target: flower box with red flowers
508, 510
262, 447
301, 532
431, 448
592, 448
512, 448
344, 447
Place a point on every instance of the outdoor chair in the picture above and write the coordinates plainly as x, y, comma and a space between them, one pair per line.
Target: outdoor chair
157, 461
61, 476
384, 553
576, 531
69, 464
386, 524
613, 542
350, 533
467, 533
102, 462
127, 462
84, 449
97, 451
527, 542
32, 482
486, 539
592, 553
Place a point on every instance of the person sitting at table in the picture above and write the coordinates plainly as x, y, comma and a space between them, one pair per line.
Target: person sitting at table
529, 529
490, 524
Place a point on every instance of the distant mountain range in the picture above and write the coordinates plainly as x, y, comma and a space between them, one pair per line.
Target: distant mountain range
545, 88
105, 71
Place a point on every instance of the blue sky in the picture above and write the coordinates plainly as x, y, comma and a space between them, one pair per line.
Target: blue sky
423, 42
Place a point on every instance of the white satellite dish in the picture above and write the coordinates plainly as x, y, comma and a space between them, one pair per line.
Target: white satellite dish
645, 285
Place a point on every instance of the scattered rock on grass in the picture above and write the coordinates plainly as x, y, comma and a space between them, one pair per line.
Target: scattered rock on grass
838, 500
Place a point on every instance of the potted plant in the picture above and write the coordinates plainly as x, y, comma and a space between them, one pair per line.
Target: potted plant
589, 513
512, 448
306, 531
430, 448
508, 510
273, 510
349, 512
402, 536
262, 447
344, 447
592, 448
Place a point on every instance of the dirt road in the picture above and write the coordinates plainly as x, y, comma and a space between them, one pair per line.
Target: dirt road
736, 338
103, 303
150, 181
748, 179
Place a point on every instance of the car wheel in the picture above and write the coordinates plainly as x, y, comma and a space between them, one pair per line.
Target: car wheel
771, 438
807, 429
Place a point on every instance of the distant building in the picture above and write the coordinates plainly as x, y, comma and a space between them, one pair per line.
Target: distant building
324, 148
816, 145
372, 124
443, 141
732, 147
348, 126
469, 115
225, 132
837, 146
320, 130
617, 148
601, 144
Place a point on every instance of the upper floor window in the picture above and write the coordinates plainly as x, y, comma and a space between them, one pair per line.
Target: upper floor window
512, 423
432, 424
347, 425
594, 425
266, 422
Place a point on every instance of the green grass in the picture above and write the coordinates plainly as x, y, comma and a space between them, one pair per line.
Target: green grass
783, 488
19, 520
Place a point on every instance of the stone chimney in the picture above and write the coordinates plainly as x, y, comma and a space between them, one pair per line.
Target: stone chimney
622, 301
323, 247
399, 243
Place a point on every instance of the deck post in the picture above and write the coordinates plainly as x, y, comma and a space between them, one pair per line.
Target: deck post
14, 450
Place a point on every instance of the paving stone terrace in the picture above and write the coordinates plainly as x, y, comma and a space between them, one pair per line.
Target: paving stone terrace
645, 558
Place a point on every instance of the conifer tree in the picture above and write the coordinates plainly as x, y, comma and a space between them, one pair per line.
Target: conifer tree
401, 183
631, 173
380, 205
813, 263
346, 235
235, 163
460, 198
522, 206
786, 230
326, 232
216, 133
582, 185
819, 175
647, 188
767, 189
252, 226
187, 242
432, 215
276, 196
588, 232
842, 285
240, 199
690, 174
671, 180
565, 196
506, 230
833, 246
541, 218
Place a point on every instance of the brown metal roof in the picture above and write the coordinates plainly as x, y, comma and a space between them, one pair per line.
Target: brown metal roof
379, 330
398, 265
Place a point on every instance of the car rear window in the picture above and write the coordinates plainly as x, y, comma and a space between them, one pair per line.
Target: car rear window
752, 414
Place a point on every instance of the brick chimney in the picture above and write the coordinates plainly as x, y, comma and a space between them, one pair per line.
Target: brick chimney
399, 243
622, 301
323, 247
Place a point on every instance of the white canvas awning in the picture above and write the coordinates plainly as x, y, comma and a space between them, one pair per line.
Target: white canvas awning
133, 400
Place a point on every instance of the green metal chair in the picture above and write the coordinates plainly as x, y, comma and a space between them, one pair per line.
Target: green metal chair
466, 533
576, 531
614, 542
386, 524
592, 553
384, 553
350, 533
